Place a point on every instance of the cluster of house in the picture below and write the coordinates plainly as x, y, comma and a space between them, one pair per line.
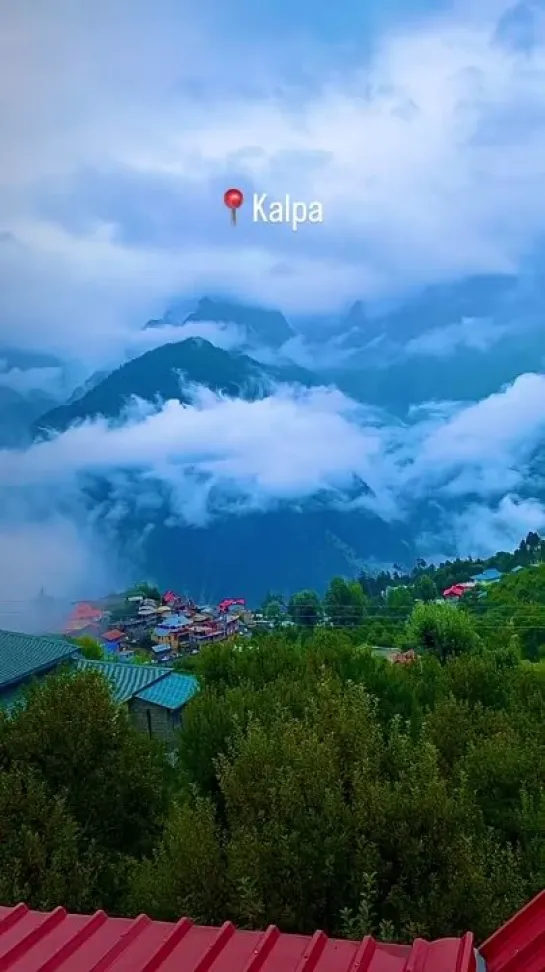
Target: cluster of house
165, 628
482, 580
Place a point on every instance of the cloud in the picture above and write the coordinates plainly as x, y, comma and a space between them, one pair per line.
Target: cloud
492, 438
481, 530
427, 149
474, 334
468, 467
223, 334
60, 554
283, 447
27, 380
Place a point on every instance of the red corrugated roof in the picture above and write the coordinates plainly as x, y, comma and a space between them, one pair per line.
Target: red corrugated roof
58, 942
457, 590
519, 946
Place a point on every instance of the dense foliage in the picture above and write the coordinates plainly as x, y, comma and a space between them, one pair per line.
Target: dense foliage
380, 606
316, 785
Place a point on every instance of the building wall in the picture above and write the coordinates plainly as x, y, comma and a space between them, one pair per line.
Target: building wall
146, 716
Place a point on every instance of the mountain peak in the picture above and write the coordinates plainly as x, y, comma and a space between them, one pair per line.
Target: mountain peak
260, 324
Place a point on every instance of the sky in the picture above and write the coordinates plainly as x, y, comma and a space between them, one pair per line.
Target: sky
419, 127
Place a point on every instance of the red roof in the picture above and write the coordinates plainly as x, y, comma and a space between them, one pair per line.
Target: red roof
230, 602
519, 946
457, 590
58, 942
31, 941
405, 657
114, 635
84, 610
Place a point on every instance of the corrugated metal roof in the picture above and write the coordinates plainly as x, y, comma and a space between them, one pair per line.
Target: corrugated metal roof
487, 575
519, 946
57, 942
171, 692
22, 655
127, 680
175, 621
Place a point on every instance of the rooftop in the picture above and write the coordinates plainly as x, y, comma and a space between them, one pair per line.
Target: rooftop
114, 635
487, 575
171, 692
150, 683
127, 680
175, 621
23, 655
31, 941
35, 942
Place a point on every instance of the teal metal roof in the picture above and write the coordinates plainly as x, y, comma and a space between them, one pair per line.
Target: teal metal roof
171, 692
487, 575
22, 656
127, 680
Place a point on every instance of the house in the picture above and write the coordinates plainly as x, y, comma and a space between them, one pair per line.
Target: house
206, 630
147, 611
164, 610
458, 590
405, 657
113, 640
24, 657
455, 592
489, 576
162, 654
154, 696
171, 632
84, 619
231, 602
35, 941
204, 634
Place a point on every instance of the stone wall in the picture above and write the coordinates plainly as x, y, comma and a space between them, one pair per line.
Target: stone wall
154, 720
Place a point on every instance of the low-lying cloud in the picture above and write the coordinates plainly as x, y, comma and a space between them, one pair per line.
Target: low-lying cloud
25, 380
471, 333
221, 456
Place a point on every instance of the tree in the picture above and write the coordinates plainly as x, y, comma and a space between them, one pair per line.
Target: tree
442, 630
43, 861
273, 610
344, 602
145, 590
90, 648
305, 609
113, 780
186, 875
399, 600
425, 588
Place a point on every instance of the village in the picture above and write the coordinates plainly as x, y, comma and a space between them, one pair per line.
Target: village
144, 629
156, 629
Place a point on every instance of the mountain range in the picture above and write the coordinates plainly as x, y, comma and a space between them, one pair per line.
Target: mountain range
459, 342
169, 372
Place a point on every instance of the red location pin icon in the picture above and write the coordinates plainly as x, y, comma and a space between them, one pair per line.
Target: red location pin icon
233, 199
